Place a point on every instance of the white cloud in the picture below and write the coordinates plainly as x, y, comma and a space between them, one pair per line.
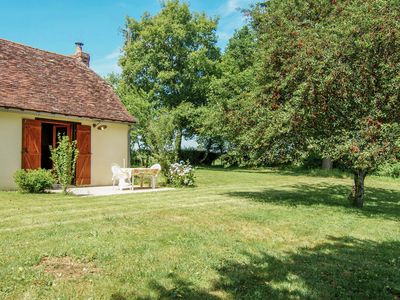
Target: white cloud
231, 18
108, 64
105, 68
113, 55
233, 6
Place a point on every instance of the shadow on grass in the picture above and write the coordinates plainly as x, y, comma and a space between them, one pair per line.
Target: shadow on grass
292, 171
335, 173
342, 268
378, 202
180, 289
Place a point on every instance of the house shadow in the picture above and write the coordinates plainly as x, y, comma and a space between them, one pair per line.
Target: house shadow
378, 202
341, 268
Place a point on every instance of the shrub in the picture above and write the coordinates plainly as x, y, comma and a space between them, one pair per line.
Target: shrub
181, 174
199, 157
389, 170
33, 181
140, 157
312, 161
64, 161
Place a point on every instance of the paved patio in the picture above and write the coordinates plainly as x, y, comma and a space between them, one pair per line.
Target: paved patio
109, 190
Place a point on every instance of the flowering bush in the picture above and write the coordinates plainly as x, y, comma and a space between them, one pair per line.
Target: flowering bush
181, 174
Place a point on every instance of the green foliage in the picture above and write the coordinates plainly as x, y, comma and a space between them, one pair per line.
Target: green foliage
390, 169
153, 138
223, 119
170, 56
330, 78
140, 158
34, 181
327, 82
199, 157
167, 63
159, 140
181, 174
64, 158
312, 160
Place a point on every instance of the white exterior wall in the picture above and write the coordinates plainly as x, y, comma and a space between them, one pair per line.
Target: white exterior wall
10, 148
108, 146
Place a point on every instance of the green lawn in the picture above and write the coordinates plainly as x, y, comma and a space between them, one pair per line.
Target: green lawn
238, 235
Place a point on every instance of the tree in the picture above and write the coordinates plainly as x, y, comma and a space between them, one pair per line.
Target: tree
169, 60
152, 138
330, 81
64, 158
230, 93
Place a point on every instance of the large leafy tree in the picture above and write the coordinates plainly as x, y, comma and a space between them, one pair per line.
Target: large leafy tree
329, 81
168, 61
223, 117
152, 138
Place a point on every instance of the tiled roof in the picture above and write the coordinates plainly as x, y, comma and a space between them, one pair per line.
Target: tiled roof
37, 80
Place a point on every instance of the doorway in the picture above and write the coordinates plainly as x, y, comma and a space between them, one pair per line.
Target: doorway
39, 134
50, 138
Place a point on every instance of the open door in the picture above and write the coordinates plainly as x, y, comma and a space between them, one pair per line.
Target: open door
31, 144
60, 130
83, 163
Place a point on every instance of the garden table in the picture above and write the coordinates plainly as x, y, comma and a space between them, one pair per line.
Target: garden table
142, 172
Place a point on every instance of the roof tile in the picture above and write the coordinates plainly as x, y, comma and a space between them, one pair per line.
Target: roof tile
37, 80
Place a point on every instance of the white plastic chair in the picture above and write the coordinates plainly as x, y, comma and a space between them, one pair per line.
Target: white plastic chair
115, 170
154, 176
123, 177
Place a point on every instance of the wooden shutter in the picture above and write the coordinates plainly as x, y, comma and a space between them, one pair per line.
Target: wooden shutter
83, 163
31, 144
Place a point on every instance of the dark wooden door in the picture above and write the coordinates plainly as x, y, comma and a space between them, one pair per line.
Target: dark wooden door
31, 144
83, 163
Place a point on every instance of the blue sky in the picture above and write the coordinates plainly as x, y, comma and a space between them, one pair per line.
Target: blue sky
56, 25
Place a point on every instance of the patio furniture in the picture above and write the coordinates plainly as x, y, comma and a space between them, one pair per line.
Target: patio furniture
114, 170
123, 176
151, 172
157, 168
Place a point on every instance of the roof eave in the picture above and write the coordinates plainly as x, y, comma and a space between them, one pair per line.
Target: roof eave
55, 115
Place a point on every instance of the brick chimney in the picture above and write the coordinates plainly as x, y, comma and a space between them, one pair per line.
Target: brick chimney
80, 55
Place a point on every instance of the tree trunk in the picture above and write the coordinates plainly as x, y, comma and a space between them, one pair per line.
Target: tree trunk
208, 149
358, 189
327, 163
178, 144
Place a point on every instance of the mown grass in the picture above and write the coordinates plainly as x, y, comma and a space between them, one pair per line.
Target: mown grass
240, 234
